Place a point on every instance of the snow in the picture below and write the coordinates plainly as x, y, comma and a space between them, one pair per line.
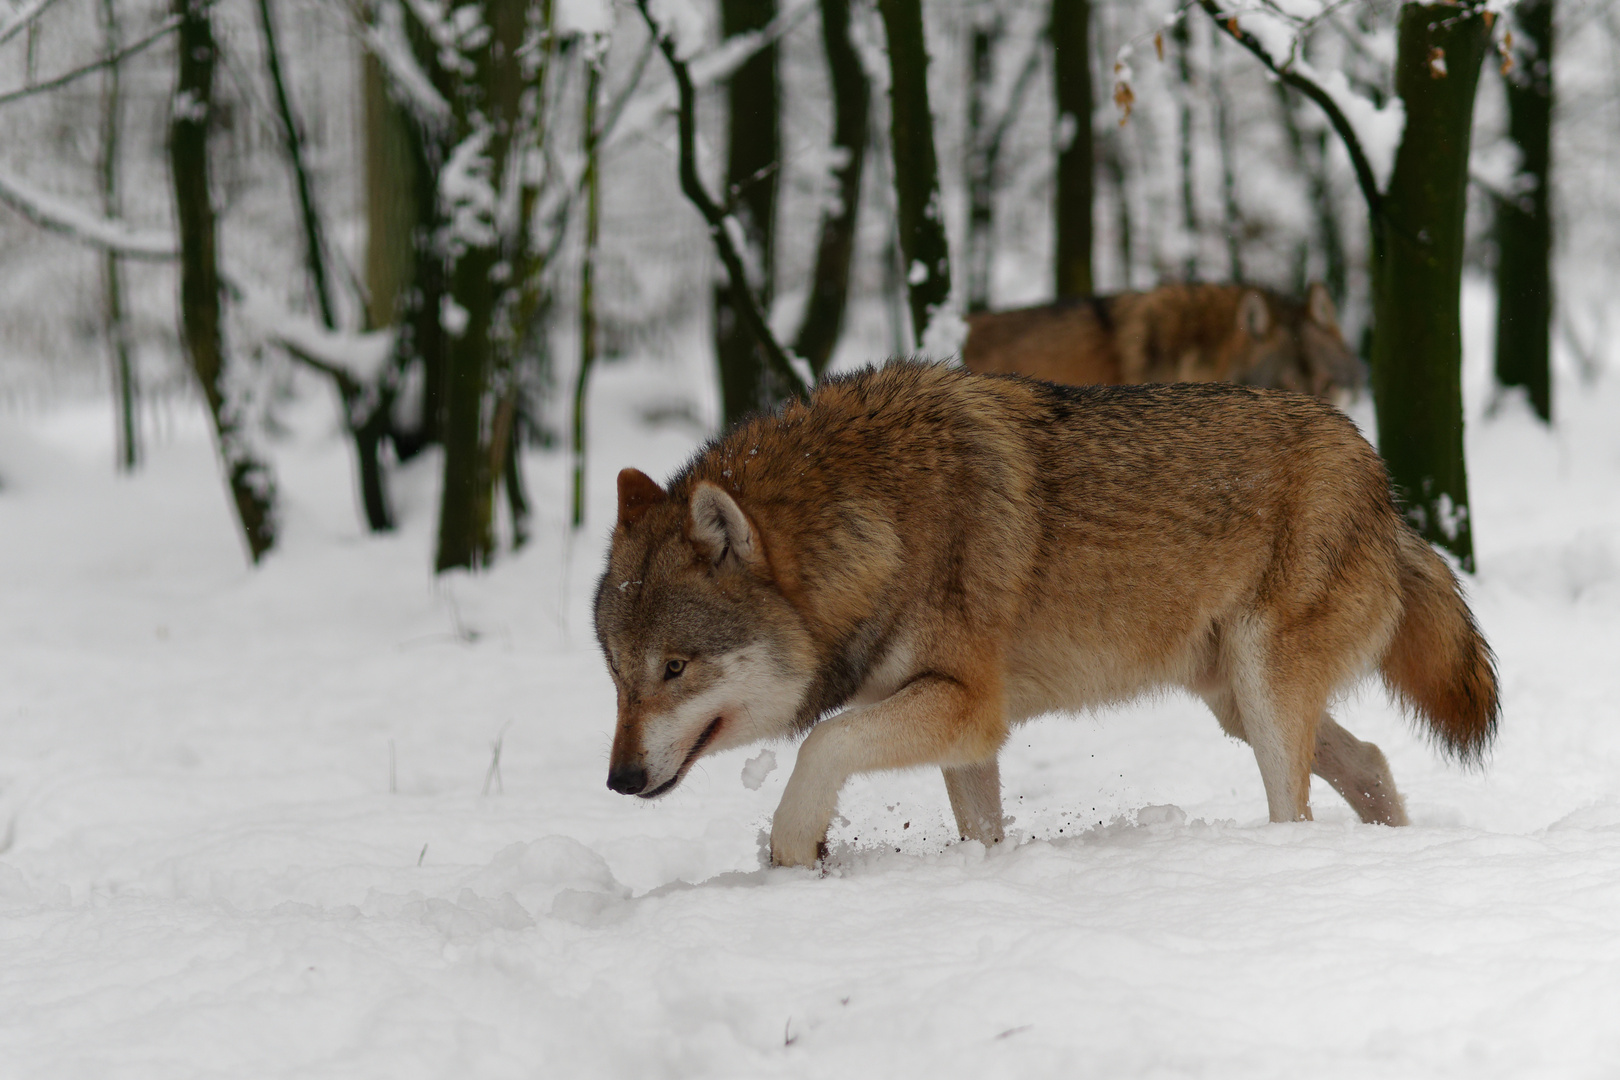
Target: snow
757, 768
244, 831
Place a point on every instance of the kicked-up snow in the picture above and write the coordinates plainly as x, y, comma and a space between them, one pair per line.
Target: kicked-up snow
254, 824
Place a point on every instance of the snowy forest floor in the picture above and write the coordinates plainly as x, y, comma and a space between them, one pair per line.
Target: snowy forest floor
245, 826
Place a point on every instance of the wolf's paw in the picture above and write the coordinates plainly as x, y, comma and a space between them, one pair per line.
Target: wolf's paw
797, 851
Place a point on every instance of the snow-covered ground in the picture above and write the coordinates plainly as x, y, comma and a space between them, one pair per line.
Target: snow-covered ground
249, 827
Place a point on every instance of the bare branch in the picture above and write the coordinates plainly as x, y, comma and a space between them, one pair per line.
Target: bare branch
20, 21
107, 234
95, 65
692, 187
1365, 179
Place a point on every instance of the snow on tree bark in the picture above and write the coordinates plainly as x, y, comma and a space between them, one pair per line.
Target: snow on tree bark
248, 474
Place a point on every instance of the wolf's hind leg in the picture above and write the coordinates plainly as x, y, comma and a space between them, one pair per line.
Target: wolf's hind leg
1278, 722
975, 792
1358, 771
933, 720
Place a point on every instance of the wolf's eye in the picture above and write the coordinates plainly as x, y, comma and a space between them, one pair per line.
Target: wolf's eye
673, 669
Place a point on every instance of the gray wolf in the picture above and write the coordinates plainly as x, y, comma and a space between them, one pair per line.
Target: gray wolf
918, 558
1175, 333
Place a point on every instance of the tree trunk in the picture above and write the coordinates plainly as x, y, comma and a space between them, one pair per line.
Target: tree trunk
979, 241
1231, 210
1417, 347
252, 486
118, 343
1182, 38
391, 198
366, 429
753, 157
1114, 166
292, 140
487, 116
1071, 66
592, 182
405, 256
829, 282
916, 167
1524, 221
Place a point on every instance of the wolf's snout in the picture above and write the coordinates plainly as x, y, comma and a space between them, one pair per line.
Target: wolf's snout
628, 779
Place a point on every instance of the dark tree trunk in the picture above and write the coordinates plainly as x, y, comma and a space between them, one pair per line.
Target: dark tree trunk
1232, 212
487, 117
979, 242
1114, 166
391, 198
1071, 66
1182, 39
592, 183
916, 166
406, 263
1524, 220
252, 486
829, 282
366, 429
1417, 347
753, 157
118, 343
292, 140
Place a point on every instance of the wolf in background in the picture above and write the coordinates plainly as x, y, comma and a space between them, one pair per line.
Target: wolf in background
918, 558
1175, 333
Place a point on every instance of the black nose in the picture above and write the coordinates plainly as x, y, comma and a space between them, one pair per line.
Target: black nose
627, 779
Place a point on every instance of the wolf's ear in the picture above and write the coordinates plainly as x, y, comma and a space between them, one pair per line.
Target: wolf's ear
638, 493
1319, 306
1253, 314
720, 529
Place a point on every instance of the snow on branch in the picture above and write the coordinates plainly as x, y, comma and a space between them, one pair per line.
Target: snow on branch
388, 42
21, 17
1370, 135
720, 223
643, 113
354, 361
108, 234
95, 65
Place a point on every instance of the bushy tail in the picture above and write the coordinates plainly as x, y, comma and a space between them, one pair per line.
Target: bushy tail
1438, 664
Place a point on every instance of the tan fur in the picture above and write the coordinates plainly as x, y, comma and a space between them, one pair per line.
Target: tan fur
920, 557
1175, 333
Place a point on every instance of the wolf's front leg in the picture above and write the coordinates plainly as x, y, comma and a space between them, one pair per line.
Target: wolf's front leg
933, 720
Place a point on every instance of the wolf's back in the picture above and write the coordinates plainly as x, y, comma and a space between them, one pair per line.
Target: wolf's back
1438, 663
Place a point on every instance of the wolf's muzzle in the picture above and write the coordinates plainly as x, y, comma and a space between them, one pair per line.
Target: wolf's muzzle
628, 779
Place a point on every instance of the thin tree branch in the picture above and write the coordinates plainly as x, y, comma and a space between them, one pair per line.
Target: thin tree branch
95, 65
692, 187
292, 140
21, 20
1365, 179
107, 234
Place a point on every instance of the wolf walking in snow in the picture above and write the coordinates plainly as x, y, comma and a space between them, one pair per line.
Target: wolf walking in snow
1175, 333
919, 558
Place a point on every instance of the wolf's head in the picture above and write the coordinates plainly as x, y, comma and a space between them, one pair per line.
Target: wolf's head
704, 650
1283, 344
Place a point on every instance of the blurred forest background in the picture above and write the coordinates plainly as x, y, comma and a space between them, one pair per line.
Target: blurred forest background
453, 212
